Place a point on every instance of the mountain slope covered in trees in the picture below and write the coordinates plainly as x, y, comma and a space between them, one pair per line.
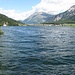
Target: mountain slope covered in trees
8, 21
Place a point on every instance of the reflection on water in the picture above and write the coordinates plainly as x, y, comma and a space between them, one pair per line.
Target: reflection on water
37, 51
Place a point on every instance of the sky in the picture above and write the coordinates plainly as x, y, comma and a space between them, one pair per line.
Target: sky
21, 9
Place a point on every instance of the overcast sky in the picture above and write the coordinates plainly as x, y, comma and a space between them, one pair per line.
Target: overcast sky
21, 9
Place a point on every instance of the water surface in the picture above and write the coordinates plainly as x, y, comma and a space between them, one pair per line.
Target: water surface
37, 50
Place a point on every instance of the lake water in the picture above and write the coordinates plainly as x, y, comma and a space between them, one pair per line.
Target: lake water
37, 50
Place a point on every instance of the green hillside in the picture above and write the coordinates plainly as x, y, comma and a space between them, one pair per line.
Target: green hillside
8, 21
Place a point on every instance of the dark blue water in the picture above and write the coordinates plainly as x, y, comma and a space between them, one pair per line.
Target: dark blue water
37, 50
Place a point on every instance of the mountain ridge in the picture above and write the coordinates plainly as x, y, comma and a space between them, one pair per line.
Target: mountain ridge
67, 15
37, 17
42, 17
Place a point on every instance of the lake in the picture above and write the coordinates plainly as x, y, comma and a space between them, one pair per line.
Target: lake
37, 50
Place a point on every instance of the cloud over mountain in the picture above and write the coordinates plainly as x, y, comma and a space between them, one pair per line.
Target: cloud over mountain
48, 6
54, 6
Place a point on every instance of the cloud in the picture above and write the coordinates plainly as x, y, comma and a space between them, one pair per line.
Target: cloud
54, 6
15, 14
49, 6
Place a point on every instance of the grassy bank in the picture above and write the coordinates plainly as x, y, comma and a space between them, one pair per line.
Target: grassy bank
1, 32
72, 25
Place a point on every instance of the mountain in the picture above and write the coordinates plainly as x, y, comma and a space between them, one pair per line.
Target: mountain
64, 17
37, 17
41, 17
8, 21
68, 15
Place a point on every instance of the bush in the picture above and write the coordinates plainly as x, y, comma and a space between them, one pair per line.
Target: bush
1, 32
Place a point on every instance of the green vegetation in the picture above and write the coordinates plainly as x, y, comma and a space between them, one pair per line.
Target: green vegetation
9, 21
72, 25
63, 23
1, 32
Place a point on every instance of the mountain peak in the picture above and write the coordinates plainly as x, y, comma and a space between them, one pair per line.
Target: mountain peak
72, 8
39, 12
37, 17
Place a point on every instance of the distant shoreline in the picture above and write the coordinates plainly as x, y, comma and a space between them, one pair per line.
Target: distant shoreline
73, 25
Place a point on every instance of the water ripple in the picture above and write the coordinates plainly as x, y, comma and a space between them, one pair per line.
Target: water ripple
37, 50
